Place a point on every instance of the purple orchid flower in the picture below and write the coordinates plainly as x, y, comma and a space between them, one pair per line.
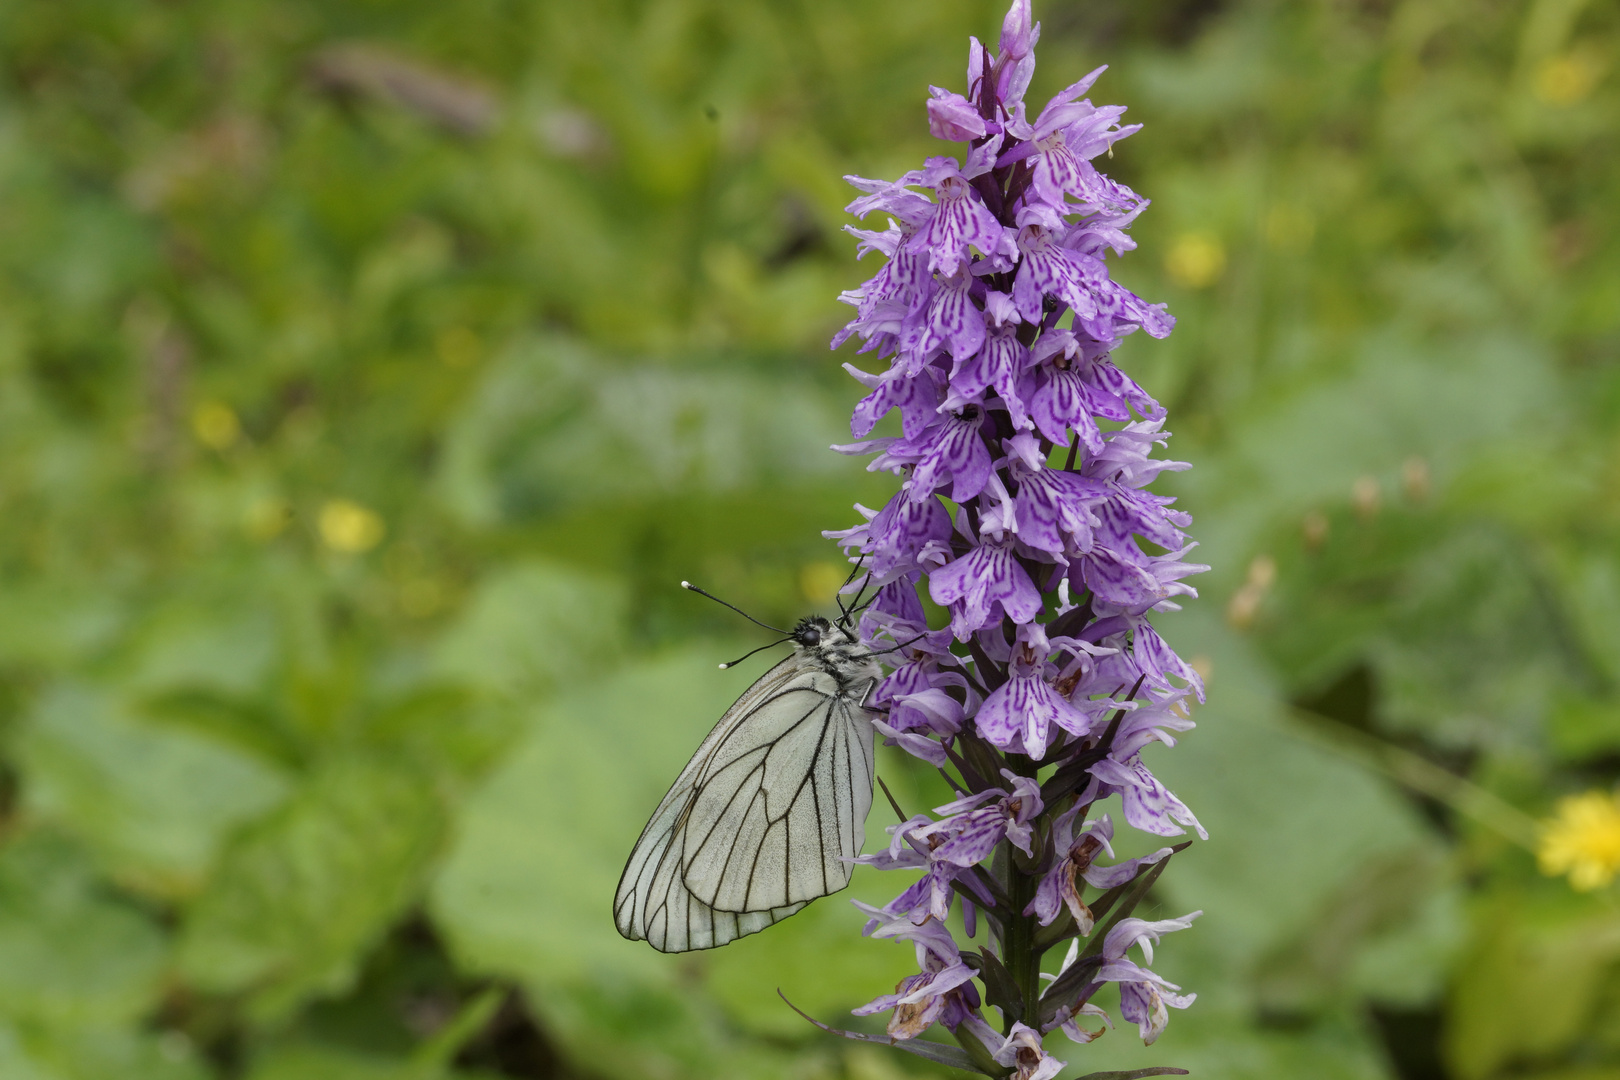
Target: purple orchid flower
1024, 456
1143, 996
1074, 862
1022, 1050
942, 991
974, 824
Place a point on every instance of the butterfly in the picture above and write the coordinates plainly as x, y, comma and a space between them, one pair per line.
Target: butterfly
770, 810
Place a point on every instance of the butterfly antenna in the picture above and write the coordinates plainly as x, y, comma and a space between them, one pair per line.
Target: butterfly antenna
751, 652
903, 644
734, 607
853, 609
838, 597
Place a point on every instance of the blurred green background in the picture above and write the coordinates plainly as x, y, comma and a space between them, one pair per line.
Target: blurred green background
370, 373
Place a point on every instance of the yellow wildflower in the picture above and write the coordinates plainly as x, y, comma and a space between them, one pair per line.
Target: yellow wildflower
1565, 80
1196, 260
349, 527
1583, 840
820, 581
215, 425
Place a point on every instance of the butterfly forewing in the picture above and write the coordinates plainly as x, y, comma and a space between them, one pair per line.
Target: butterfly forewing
763, 818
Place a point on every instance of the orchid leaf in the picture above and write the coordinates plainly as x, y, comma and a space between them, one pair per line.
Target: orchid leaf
1106, 901
938, 1053
1000, 988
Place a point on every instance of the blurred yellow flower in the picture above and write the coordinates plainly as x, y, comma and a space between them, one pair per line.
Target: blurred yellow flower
348, 527
819, 581
1196, 260
1565, 80
215, 425
1583, 840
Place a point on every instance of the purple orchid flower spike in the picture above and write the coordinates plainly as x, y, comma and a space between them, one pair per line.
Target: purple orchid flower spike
1039, 687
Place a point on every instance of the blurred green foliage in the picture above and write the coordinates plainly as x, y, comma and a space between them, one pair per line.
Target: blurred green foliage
371, 372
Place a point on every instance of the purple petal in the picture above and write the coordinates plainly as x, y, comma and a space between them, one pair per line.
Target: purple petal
1020, 713
952, 320
1052, 507
953, 117
981, 586
1106, 877
1149, 806
914, 395
959, 221
954, 451
1017, 32
974, 843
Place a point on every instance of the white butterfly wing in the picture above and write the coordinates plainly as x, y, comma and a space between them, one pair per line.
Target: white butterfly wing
761, 820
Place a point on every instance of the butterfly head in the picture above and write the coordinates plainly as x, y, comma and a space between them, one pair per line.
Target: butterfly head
812, 631
834, 649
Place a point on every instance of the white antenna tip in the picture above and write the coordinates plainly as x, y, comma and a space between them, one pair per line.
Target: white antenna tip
724, 666
686, 584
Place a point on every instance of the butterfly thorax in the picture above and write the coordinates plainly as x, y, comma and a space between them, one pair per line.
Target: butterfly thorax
837, 652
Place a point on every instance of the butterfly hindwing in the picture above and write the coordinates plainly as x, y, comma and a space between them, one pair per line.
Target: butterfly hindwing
761, 821
774, 825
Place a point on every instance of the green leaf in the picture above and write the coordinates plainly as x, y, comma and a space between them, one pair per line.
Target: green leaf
554, 425
534, 626
1529, 981
93, 1053
1133, 1074
326, 1063
225, 643
241, 722
443, 731
1217, 1039
1581, 728
50, 622
299, 896
1000, 989
1401, 397
71, 953
16, 1063
1301, 975
154, 802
